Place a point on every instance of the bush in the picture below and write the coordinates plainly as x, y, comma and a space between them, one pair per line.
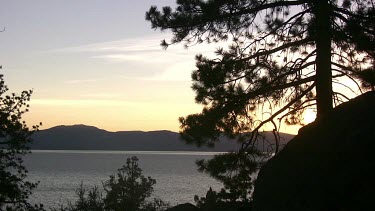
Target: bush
127, 191
219, 202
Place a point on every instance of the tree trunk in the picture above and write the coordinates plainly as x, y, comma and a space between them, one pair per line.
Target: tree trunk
323, 58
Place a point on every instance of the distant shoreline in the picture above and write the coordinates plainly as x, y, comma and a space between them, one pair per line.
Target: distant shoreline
127, 152
82, 137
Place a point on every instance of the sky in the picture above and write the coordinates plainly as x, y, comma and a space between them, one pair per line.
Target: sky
97, 63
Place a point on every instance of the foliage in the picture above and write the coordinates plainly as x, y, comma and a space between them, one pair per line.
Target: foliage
216, 202
234, 171
274, 58
129, 189
284, 57
90, 200
207, 202
14, 137
126, 191
155, 205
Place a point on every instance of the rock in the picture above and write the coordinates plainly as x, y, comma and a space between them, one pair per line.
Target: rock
329, 165
184, 207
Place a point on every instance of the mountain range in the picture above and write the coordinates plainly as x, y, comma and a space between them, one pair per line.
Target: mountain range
83, 137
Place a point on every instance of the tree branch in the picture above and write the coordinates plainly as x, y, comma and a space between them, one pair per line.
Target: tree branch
245, 145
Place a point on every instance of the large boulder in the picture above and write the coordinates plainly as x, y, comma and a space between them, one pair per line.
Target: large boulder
329, 165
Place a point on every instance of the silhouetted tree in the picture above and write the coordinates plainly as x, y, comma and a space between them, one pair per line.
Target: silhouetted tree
209, 202
155, 205
284, 57
214, 201
88, 200
14, 137
126, 191
129, 189
234, 171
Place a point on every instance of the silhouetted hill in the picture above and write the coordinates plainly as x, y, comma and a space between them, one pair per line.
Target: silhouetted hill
82, 137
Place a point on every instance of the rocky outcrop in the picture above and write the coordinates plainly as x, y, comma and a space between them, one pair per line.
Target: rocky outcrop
329, 165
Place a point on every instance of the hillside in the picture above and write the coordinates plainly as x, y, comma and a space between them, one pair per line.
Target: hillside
82, 137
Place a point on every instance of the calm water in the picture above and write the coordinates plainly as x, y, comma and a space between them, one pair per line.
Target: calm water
61, 172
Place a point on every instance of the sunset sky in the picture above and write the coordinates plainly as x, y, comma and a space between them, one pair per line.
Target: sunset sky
98, 63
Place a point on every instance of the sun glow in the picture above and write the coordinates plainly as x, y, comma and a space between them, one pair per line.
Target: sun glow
309, 116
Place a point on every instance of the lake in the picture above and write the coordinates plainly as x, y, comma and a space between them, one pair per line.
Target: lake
60, 172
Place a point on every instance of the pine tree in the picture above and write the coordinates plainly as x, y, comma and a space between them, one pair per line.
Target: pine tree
14, 138
129, 190
284, 57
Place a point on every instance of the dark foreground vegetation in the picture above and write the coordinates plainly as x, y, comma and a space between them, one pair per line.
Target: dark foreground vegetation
127, 190
14, 137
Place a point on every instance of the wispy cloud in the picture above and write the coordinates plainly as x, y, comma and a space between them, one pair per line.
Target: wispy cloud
75, 103
177, 72
81, 81
102, 95
173, 64
145, 44
146, 49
